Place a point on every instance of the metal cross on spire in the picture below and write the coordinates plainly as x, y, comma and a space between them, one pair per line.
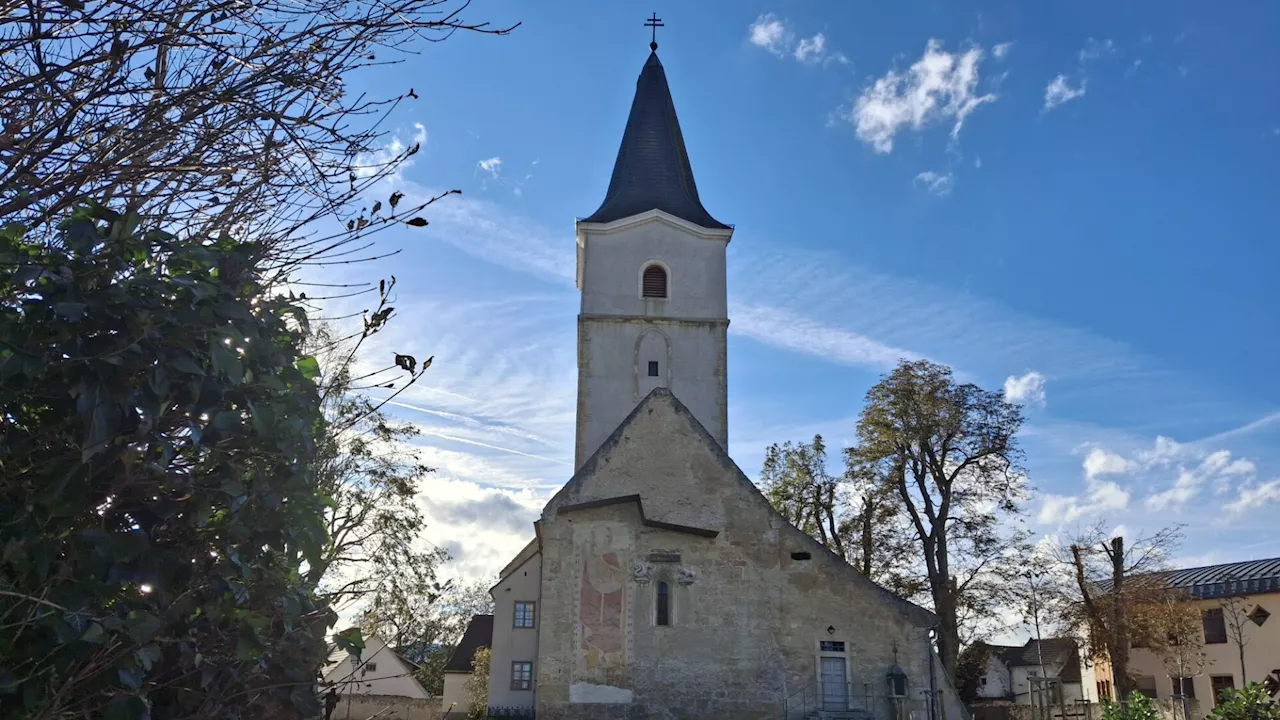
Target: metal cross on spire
654, 22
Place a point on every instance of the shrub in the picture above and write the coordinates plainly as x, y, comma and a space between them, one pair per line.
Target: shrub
156, 428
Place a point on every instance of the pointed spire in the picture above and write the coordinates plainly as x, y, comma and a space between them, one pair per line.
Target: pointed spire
652, 170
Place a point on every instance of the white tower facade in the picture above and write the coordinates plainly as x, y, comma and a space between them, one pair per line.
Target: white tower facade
651, 270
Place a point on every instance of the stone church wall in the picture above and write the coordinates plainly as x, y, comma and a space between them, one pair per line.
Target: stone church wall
747, 617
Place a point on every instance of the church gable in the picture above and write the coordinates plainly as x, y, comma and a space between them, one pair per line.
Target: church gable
665, 463
664, 458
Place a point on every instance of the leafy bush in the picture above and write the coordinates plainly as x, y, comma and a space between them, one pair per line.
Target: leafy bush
1138, 707
1249, 703
156, 494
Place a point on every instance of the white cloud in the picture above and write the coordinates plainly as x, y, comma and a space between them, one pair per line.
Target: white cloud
1058, 92
938, 86
1218, 467
999, 51
1100, 496
493, 166
814, 51
1164, 452
773, 35
770, 33
1255, 496
1100, 462
1027, 389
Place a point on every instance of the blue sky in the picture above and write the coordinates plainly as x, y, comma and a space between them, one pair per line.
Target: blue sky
1067, 200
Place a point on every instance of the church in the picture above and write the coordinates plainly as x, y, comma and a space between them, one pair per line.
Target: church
660, 582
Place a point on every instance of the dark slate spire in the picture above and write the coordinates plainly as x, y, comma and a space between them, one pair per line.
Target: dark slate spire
652, 170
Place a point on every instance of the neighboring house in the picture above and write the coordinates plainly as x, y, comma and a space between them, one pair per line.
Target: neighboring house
1011, 672
1253, 588
660, 581
454, 702
380, 684
515, 645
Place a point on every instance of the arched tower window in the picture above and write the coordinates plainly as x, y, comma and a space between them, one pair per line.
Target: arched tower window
662, 611
654, 282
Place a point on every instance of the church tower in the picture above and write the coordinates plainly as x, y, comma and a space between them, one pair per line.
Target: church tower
651, 270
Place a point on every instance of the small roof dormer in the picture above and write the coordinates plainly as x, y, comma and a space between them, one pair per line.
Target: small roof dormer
652, 171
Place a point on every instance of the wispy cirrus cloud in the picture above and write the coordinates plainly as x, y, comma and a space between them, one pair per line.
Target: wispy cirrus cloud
941, 86
782, 328
1062, 89
775, 36
935, 182
1058, 91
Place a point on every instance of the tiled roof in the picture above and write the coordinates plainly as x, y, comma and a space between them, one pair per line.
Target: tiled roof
479, 634
1056, 650
652, 171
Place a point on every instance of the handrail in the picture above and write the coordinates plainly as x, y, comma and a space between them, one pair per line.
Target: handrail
803, 703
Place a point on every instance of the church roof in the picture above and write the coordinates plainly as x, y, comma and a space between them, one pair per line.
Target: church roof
652, 170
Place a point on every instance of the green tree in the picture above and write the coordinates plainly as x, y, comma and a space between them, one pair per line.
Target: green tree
156, 486
477, 686
798, 485
948, 452
850, 514
971, 667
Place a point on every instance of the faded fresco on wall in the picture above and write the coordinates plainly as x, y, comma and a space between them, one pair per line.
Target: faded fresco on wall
602, 599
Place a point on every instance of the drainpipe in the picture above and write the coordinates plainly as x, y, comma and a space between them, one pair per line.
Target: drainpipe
933, 678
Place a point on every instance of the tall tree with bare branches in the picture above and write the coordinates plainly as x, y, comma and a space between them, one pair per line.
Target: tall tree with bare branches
223, 114
1235, 615
1115, 583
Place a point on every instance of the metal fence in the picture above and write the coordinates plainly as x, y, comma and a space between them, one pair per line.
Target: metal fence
509, 712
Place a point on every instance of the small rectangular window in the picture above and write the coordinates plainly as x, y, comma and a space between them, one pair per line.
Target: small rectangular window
1221, 684
521, 675
662, 612
524, 615
801, 555
1215, 627
831, 646
1184, 686
1145, 684
653, 368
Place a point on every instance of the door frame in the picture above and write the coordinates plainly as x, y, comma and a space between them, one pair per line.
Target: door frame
819, 654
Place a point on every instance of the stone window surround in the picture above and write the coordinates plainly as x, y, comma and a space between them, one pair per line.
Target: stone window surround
666, 272
673, 606
516, 615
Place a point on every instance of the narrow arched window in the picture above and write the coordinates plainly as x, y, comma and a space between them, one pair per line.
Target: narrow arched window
662, 616
654, 284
